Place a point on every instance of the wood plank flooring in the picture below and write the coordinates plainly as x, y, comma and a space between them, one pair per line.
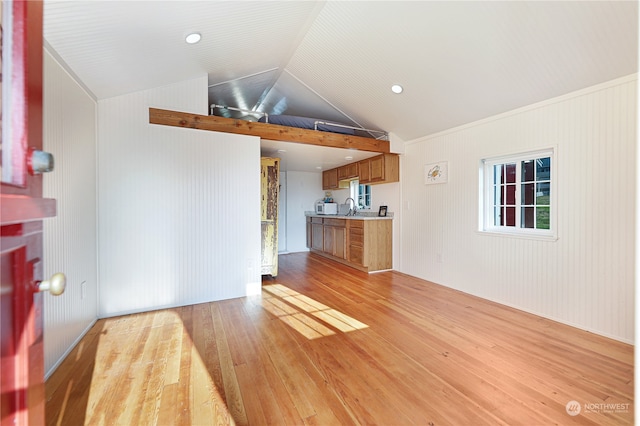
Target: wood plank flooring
328, 345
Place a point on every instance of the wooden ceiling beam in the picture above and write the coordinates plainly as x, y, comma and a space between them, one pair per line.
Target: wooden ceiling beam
265, 131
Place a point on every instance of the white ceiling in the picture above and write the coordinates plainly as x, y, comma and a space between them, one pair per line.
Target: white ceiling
458, 61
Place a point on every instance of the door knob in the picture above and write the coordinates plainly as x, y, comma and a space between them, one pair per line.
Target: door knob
39, 162
54, 285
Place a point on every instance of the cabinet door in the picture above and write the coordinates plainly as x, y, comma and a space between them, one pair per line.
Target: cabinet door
339, 243
335, 241
325, 180
352, 170
330, 179
317, 239
356, 245
343, 172
364, 168
377, 169
349, 171
328, 240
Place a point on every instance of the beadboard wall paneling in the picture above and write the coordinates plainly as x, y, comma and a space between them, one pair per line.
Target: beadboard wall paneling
69, 131
302, 189
586, 277
179, 209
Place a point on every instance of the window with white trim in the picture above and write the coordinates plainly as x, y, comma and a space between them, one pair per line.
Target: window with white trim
517, 194
361, 194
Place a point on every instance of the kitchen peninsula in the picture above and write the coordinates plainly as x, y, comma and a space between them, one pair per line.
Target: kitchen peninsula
363, 241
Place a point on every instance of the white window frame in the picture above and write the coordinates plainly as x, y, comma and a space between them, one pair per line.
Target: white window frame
486, 196
354, 192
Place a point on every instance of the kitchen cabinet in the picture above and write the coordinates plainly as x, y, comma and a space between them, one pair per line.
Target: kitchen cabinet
334, 231
356, 242
384, 168
370, 244
317, 234
348, 172
360, 243
269, 189
330, 179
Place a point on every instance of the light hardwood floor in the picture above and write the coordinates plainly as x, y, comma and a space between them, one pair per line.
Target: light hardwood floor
329, 345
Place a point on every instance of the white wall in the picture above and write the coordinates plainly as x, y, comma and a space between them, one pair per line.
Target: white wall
282, 214
586, 277
179, 209
69, 131
302, 190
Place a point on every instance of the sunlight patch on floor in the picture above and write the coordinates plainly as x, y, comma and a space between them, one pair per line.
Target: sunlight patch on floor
167, 347
304, 314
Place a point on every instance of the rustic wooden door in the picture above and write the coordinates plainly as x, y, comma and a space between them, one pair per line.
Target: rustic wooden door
270, 187
22, 210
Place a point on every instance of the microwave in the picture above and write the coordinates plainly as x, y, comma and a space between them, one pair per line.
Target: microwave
326, 208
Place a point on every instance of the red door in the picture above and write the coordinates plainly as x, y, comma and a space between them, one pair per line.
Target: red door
22, 210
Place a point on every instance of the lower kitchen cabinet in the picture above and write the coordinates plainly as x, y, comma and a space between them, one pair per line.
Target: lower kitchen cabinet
370, 244
334, 231
356, 242
317, 234
362, 244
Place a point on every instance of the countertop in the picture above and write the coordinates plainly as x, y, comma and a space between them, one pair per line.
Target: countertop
359, 216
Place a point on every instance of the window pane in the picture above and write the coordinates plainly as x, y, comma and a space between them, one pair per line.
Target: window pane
497, 216
543, 194
510, 216
510, 173
543, 168
498, 176
528, 170
510, 194
528, 194
499, 195
527, 217
542, 218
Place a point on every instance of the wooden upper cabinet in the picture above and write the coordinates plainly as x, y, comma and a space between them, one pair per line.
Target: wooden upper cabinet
377, 169
383, 168
330, 179
349, 171
364, 170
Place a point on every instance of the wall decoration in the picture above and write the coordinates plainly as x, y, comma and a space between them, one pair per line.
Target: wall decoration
436, 173
382, 211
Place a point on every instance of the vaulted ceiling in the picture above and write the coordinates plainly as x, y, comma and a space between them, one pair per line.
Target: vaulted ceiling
457, 61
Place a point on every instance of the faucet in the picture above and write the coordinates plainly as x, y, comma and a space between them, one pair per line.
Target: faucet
352, 211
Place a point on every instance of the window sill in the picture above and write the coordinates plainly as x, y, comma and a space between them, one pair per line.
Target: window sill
518, 235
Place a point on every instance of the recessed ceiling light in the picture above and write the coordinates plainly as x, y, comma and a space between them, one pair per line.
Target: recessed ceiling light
319, 167
193, 38
282, 151
348, 157
396, 88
